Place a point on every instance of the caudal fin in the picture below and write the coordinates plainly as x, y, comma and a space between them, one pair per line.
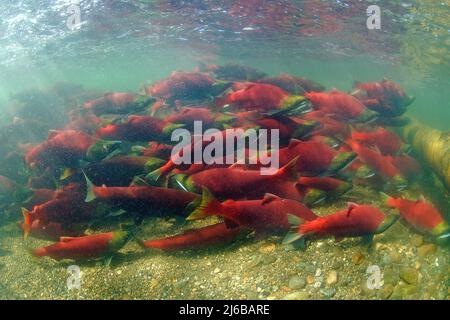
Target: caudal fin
26, 223
154, 177
388, 221
90, 194
386, 198
208, 206
293, 237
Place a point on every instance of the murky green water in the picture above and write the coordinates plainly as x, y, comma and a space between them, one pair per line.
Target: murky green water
120, 46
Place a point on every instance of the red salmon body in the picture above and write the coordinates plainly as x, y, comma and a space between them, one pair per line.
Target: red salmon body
314, 157
182, 85
292, 84
257, 96
187, 116
67, 207
420, 214
340, 104
61, 148
355, 221
197, 143
323, 183
212, 235
120, 170
142, 199
158, 150
328, 126
239, 182
386, 141
381, 164
137, 128
408, 166
110, 103
385, 97
267, 215
53, 231
82, 248
39, 196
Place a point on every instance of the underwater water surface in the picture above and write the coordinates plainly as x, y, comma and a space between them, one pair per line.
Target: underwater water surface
58, 56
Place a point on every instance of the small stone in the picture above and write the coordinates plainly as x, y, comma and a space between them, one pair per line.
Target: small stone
426, 249
181, 283
365, 290
309, 279
254, 262
269, 259
297, 282
394, 256
417, 240
409, 275
153, 284
358, 258
386, 291
332, 277
297, 296
267, 248
390, 277
401, 291
251, 295
328, 292
216, 270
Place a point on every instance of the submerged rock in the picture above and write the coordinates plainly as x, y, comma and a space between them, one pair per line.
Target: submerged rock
297, 296
332, 277
409, 275
297, 282
426, 249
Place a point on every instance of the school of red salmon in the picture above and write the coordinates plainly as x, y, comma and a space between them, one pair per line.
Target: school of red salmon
112, 162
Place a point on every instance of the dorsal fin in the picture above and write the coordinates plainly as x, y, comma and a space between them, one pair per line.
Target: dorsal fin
269, 197
66, 239
52, 133
293, 143
350, 207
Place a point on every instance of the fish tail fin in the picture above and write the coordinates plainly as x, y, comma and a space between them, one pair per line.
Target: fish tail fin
294, 221
388, 221
153, 163
26, 223
409, 100
35, 253
90, 194
67, 173
294, 105
296, 239
155, 176
443, 239
208, 206
289, 171
385, 198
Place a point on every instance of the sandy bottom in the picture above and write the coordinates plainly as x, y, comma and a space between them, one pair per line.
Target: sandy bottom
399, 264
